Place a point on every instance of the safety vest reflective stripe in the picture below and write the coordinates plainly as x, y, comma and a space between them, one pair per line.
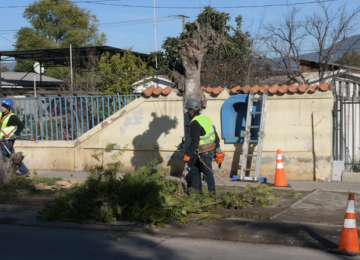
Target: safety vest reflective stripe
207, 137
8, 132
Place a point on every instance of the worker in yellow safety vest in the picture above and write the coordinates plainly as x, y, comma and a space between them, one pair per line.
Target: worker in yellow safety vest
204, 146
11, 127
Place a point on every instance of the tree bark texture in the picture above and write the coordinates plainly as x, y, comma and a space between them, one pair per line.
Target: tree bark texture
192, 53
9, 166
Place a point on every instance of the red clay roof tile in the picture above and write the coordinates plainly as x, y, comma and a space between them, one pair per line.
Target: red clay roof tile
314, 88
255, 88
157, 91
166, 90
303, 88
283, 88
148, 92
263, 88
293, 88
246, 89
324, 86
274, 88
217, 90
236, 89
208, 89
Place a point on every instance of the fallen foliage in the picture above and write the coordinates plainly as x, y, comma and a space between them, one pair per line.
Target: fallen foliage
144, 196
26, 186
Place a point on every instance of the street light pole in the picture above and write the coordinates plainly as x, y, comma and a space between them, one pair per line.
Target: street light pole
155, 36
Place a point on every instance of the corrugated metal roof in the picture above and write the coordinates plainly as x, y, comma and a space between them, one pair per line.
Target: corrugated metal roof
27, 79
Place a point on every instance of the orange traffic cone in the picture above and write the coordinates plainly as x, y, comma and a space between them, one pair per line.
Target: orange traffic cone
349, 241
280, 178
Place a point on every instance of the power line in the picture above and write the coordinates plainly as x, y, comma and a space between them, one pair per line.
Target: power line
143, 20
140, 21
6, 39
101, 2
221, 7
126, 22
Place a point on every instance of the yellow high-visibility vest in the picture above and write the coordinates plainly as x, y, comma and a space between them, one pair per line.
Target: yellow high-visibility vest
207, 124
6, 131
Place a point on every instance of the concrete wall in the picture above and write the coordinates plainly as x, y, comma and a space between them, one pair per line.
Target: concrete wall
148, 128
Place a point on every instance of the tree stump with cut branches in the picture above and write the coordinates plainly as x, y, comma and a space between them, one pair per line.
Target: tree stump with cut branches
9, 166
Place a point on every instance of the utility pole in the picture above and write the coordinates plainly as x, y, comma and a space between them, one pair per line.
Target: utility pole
183, 21
71, 70
155, 36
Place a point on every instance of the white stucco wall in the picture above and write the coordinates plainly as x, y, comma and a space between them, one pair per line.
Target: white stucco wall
147, 128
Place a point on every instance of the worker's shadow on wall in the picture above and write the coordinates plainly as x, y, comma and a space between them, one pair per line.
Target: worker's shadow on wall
146, 146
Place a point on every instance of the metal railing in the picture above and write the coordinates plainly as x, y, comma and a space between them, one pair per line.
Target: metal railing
346, 124
65, 118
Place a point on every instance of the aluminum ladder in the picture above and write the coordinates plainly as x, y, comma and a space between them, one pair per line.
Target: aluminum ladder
248, 141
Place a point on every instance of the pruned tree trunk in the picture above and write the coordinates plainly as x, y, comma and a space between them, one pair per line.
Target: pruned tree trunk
192, 56
9, 166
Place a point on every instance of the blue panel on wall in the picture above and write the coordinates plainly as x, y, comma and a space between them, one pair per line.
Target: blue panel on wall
233, 118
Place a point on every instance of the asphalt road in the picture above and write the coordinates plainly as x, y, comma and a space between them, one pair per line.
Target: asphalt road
28, 243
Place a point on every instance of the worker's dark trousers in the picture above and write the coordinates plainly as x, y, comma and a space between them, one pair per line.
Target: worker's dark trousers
196, 167
9, 144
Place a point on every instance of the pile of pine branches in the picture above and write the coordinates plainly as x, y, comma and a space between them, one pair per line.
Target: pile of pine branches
143, 196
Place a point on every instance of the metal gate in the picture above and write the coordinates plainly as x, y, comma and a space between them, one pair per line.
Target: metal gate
67, 117
346, 112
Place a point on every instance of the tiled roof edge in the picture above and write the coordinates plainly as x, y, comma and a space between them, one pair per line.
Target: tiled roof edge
294, 88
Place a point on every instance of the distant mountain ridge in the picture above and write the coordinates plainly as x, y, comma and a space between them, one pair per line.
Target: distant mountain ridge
350, 43
9, 65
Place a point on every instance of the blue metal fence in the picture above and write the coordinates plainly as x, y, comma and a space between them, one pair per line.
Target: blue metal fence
65, 118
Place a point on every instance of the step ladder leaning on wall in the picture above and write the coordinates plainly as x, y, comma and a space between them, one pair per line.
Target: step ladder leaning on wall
247, 138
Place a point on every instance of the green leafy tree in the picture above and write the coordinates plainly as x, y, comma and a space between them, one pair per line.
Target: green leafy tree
56, 24
350, 59
232, 62
119, 72
4, 69
224, 65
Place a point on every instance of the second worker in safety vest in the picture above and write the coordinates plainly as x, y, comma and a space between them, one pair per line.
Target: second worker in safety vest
11, 127
201, 151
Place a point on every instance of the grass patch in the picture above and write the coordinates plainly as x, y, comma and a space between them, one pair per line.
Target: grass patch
293, 195
25, 186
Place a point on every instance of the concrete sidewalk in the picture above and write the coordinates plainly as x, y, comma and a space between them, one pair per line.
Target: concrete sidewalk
336, 186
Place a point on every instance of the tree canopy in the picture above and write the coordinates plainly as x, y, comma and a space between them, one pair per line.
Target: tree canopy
4, 69
119, 73
56, 24
225, 65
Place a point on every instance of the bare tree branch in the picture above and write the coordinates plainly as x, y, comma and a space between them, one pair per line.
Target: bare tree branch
326, 30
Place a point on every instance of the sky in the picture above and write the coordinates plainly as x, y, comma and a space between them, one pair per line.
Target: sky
130, 23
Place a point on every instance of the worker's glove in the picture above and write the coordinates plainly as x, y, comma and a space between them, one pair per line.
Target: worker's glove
219, 155
186, 158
